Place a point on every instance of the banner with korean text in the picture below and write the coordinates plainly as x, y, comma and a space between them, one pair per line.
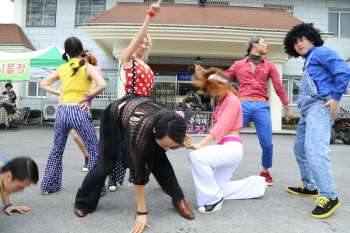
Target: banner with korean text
197, 122
14, 69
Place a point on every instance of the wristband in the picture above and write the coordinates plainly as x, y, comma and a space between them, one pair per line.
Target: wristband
7, 206
150, 13
140, 213
88, 98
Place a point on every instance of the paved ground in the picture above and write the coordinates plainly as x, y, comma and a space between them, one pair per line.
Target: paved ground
277, 211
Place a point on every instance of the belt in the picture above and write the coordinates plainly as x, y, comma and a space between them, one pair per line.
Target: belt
229, 139
252, 99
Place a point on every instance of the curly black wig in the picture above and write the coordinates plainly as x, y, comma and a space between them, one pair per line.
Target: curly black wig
297, 32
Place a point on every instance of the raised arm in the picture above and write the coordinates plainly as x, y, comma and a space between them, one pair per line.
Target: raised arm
126, 56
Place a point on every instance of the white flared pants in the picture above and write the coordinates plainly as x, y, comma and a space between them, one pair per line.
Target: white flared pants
211, 185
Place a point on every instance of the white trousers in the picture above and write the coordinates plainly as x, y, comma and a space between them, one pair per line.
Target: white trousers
211, 185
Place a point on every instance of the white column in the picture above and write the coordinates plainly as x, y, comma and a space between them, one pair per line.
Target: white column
275, 102
121, 80
18, 12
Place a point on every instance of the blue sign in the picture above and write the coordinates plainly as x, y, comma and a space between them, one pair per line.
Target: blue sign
184, 76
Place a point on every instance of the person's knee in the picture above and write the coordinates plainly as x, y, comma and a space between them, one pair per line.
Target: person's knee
75, 136
193, 156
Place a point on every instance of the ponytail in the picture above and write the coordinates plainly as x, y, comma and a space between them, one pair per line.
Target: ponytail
64, 56
81, 63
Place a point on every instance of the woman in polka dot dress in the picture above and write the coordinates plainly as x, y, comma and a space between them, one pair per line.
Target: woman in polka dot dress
139, 76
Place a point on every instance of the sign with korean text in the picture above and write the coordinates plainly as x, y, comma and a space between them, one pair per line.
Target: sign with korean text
184, 76
197, 122
14, 69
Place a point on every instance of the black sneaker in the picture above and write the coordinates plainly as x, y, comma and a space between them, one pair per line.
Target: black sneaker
300, 190
86, 166
325, 207
112, 184
206, 209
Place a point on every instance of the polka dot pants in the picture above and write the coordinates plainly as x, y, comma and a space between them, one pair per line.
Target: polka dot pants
67, 118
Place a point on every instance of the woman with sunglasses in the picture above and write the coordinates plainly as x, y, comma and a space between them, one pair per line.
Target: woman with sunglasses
212, 187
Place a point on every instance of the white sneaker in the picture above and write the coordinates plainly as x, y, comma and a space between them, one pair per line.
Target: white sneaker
85, 169
206, 209
112, 188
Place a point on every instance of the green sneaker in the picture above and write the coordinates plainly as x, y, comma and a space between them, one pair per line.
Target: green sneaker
325, 207
300, 190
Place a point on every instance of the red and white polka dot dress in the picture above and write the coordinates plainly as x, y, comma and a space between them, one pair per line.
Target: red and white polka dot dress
141, 83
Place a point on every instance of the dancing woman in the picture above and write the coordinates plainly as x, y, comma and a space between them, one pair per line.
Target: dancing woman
139, 76
212, 187
76, 77
90, 59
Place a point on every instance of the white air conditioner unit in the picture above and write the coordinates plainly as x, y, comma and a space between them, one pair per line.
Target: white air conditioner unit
49, 111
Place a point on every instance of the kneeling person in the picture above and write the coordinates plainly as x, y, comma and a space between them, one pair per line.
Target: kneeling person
212, 187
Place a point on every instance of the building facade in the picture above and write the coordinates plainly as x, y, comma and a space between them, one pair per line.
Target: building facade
218, 42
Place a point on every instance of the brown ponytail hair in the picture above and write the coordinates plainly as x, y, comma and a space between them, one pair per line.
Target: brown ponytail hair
200, 80
91, 59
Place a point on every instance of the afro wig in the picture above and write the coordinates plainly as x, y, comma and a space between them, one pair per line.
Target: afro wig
297, 32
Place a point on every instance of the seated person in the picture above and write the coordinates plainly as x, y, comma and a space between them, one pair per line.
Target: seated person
15, 175
191, 100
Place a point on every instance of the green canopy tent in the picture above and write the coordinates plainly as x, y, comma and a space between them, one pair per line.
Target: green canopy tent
30, 66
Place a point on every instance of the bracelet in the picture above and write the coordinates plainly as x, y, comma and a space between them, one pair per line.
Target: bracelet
7, 206
150, 13
88, 98
140, 213
286, 109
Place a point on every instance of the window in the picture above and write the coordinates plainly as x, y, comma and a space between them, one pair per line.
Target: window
217, 3
87, 9
289, 9
155, 1
338, 23
291, 87
41, 13
33, 90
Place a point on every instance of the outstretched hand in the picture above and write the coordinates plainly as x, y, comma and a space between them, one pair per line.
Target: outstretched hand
21, 209
187, 142
140, 224
198, 68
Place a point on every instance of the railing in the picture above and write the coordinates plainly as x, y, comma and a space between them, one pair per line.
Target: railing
111, 91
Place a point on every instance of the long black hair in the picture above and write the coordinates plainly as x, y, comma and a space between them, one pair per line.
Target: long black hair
73, 47
297, 32
22, 168
171, 124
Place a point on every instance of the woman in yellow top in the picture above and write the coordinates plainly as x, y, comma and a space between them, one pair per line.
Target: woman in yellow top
74, 113
15, 175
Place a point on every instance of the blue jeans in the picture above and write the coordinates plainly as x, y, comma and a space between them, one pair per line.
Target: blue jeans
259, 113
311, 147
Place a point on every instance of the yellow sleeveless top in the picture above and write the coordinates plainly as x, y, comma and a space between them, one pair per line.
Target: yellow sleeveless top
74, 87
1, 187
